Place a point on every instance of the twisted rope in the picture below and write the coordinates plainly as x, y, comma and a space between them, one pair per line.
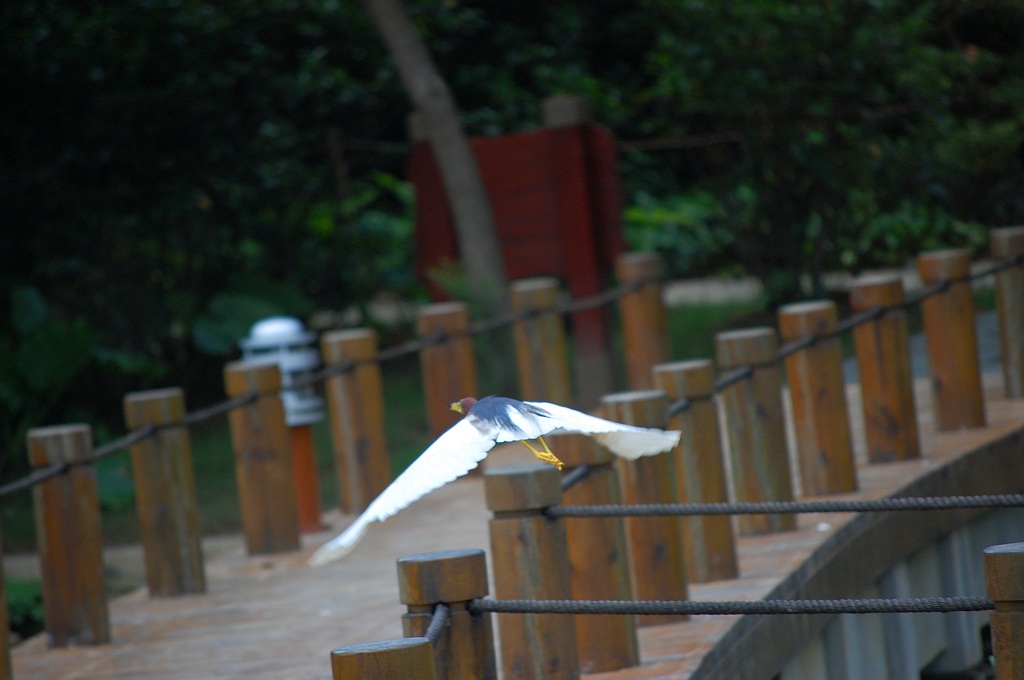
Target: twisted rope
923, 605
577, 475
786, 507
683, 404
438, 622
403, 349
438, 337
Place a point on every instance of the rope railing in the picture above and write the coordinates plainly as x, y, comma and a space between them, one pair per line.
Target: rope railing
922, 605
504, 320
536, 564
848, 324
398, 351
893, 504
438, 621
437, 625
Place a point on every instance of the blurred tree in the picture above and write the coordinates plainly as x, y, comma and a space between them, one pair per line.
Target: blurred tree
471, 210
169, 171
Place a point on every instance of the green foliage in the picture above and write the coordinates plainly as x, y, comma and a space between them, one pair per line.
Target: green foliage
800, 110
41, 353
691, 231
24, 607
888, 237
170, 172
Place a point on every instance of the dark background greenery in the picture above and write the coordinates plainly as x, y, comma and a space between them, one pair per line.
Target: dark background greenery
171, 171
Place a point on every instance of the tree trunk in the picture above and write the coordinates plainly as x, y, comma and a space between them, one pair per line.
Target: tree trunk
474, 222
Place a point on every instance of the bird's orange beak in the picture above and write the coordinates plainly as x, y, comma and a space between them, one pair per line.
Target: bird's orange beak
456, 406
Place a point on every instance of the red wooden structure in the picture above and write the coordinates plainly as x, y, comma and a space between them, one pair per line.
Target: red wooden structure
557, 201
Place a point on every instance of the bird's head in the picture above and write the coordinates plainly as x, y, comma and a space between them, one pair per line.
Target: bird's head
462, 405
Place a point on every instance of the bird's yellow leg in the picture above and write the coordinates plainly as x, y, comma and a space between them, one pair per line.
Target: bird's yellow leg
544, 455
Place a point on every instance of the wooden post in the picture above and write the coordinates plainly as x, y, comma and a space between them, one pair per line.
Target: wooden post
540, 342
599, 561
307, 479
466, 647
710, 545
263, 460
755, 427
405, 659
644, 320
886, 376
818, 394
952, 343
69, 538
655, 543
449, 369
1004, 580
355, 403
530, 561
1005, 244
5, 626
165, 494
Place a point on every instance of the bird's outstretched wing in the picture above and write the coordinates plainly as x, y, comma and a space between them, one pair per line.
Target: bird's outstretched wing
623, 440
452, 455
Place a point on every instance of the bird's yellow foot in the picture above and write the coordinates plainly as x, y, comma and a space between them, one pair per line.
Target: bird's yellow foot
546, 454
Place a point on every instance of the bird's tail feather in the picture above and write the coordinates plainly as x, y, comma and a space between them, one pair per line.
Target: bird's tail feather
341, 545
633, 444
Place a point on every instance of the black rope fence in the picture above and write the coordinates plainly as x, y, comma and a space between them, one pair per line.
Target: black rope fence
924, 605
438, 622
848, 324
786, 507
419, 344
313, 378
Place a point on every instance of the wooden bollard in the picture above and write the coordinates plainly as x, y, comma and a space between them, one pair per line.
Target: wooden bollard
818, 394
886, 376
530, 561
449, 368
755, 426
355, 404
465, 648
165, 494
69, 538
657, 556
263, 460
644, 319
599, 561
540, 342
952, 343
1004, 581
1005, 244
405, 659
708, 539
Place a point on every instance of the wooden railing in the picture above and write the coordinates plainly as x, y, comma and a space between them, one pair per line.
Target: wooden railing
662, 555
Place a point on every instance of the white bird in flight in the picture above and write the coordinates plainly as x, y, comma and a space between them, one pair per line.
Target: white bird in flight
489, 421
